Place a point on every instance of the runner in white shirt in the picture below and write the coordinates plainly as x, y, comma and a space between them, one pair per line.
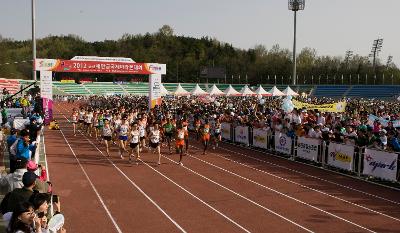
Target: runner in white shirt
155, 141
123, 130
88, 123
142, 135
134, 142
107, 133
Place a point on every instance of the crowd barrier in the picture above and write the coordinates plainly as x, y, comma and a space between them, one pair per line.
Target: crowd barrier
349, 159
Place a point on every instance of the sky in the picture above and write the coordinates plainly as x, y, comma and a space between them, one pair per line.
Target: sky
330, 26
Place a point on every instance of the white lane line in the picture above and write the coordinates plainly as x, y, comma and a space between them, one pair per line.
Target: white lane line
243, 197
312, 176
301, 185
265, 208
191, 194
197, 198
136, 186
91, 184
282, 194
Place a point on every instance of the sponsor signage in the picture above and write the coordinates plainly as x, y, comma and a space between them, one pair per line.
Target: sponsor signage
341, 156
46, 92
334, 107
226, 131
260, 138
154, 90
242, 134
380, 164
307, 148
283, 143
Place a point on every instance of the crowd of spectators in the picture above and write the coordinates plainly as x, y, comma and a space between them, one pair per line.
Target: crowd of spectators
28, 193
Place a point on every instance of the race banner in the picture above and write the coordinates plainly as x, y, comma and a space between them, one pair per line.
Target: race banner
242, 134
95, 66
154, 90
307, 148
46, 92
260, 138
341, 156
333, 107
226, 131
380, 164
283, 143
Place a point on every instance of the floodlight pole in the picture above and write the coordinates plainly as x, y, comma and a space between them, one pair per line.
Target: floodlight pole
294, 50
33, 40
295, 5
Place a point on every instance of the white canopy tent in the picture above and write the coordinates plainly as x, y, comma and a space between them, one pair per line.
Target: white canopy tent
231, 91
289, 91
276, 92
198, 91
246, 91
260, 91
215, 91
179, 91
163, 91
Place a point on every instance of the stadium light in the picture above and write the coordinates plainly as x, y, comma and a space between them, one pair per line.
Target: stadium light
295, 5
376, 48
33, 39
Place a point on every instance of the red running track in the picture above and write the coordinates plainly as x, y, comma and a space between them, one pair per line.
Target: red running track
231, 189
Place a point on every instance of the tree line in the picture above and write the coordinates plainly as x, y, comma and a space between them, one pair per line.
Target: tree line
186, 56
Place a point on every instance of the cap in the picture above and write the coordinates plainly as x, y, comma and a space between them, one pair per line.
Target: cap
31, 166
383, 131
29, 178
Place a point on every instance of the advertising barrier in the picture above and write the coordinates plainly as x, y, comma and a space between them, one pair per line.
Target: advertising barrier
283, 143
242, 134
341, 156
226, 131
380, 164
307, 148
260, 138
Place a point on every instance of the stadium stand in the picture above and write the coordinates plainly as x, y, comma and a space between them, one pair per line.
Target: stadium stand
330, 91
374, 91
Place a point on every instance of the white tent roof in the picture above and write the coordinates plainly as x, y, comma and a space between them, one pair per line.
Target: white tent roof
215, 91
198, 91
246, 91
163, 91
179, 91
231, 91
289, 91
276, 92
260, 91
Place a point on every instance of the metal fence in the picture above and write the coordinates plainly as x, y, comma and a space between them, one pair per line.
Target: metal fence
359, 162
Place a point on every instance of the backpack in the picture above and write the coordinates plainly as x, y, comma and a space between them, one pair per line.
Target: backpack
13, 148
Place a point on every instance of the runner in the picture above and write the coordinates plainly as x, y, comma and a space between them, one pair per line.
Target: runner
205, 135
100, 124
134, 143
197, 125
217, 134
180, 142
155, 141
123, 130
88, 123
74, 119
81, 120
185, 125
142, 133
168, 132
107, 134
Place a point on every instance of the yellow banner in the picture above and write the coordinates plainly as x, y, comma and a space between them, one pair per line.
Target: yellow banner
67, 81
333, 107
